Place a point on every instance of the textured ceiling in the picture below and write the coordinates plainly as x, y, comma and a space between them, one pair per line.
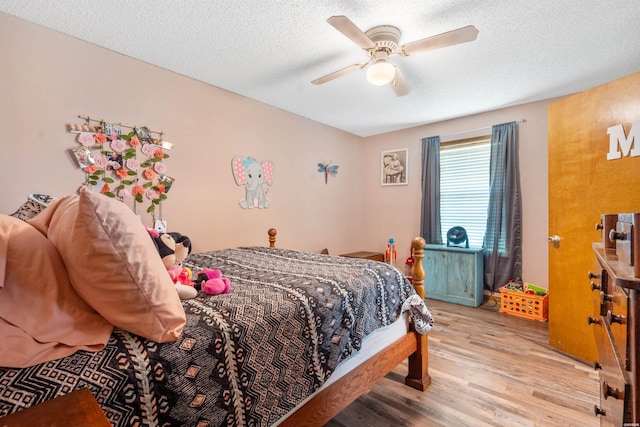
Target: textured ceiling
270, 50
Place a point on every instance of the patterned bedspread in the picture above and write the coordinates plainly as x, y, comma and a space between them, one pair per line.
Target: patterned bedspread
244, 358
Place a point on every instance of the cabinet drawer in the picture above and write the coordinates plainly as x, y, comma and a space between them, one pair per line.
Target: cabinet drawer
617, 317
614, 385
614, 400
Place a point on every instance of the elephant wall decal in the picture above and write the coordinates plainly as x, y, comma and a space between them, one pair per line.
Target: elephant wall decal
253, 175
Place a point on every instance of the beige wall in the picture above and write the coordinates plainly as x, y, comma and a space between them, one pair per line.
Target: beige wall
47, 79
394, 211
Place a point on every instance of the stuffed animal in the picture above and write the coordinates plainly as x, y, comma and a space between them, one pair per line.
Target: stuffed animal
212, 282
173, 249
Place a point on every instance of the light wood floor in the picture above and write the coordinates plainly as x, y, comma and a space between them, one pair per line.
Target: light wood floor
487, 369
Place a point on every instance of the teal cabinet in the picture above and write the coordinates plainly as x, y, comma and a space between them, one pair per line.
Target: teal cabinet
454, 274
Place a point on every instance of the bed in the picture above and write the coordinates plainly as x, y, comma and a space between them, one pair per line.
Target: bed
289, 345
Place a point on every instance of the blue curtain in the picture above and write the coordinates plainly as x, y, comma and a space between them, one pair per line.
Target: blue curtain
503, 238
430, 228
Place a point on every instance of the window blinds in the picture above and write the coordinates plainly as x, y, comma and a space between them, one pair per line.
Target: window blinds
464, 188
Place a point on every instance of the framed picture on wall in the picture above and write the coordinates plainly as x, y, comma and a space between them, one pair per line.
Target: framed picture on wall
394, 167
83, 156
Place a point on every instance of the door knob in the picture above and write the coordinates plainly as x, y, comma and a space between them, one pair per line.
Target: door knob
554, 239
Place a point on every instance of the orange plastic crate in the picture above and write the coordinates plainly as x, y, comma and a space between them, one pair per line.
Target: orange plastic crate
524, 305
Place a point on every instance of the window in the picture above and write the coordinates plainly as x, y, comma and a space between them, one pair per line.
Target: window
464, 187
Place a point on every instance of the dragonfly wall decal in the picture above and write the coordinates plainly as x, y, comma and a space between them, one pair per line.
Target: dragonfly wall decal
327, 170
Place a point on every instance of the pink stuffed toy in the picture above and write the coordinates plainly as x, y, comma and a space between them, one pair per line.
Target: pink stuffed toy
173, 249
180, 275
212, 282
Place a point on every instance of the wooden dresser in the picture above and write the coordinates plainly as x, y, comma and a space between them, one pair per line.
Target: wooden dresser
616, 287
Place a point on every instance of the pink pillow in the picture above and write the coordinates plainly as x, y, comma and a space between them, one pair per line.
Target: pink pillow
113, 264
41, 316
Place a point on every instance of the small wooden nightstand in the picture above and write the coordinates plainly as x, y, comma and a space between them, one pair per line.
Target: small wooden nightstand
76, 409
374, 256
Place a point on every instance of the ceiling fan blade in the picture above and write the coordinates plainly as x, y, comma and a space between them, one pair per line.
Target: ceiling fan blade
339, 73
399, 83
349, 29
450, 38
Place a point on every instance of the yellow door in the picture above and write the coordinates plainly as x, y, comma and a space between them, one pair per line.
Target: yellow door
583, 184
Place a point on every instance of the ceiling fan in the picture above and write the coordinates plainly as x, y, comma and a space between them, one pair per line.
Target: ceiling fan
381, 42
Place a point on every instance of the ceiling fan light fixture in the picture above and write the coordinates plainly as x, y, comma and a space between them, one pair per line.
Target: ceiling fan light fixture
383, 41
381, 73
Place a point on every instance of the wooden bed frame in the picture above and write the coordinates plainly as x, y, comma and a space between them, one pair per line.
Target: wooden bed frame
333, 399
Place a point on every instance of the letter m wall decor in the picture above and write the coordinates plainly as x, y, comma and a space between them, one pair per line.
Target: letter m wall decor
618, 139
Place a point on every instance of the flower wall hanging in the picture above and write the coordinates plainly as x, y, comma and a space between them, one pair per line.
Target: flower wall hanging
128, 167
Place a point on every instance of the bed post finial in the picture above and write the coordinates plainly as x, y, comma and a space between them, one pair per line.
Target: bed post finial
272, 237
417, 271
